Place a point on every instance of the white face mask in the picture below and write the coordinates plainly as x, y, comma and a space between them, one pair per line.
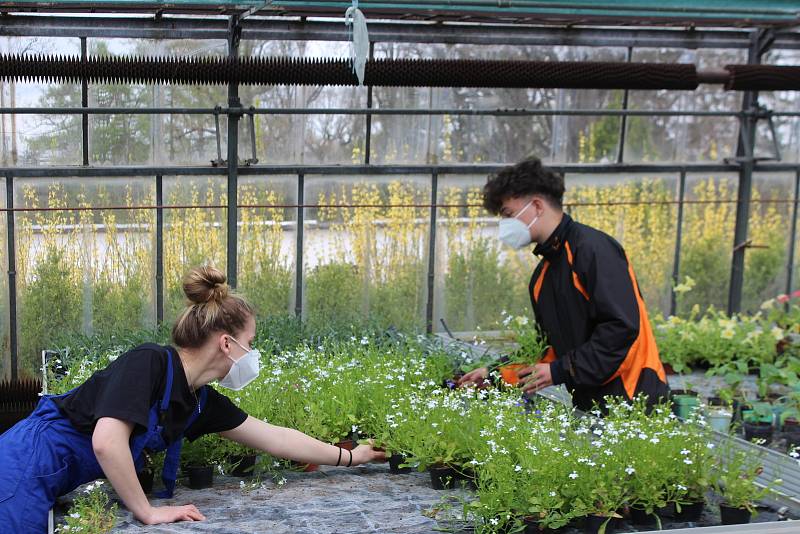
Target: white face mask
514, 232
243, 371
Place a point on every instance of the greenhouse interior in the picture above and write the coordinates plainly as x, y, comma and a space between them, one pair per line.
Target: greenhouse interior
414, 266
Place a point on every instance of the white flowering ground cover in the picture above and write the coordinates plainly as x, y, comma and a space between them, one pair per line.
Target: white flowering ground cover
529, 460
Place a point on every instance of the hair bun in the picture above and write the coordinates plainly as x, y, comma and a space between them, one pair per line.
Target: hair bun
205, 284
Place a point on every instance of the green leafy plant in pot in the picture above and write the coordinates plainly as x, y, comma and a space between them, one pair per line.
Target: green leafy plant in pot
199, 458
757, 418
737, 484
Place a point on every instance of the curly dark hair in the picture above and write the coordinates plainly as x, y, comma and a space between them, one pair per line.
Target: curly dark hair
528, 177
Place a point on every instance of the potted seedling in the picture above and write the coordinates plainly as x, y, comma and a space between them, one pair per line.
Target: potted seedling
684, 402
757, 421
790, 420
736, 483
719, 412
199, 457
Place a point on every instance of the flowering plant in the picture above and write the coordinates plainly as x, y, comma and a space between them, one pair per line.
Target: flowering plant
90, 512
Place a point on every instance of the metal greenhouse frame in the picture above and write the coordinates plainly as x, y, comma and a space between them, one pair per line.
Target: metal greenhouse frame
731, 24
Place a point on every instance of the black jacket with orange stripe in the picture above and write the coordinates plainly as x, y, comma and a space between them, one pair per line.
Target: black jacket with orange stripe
588, 304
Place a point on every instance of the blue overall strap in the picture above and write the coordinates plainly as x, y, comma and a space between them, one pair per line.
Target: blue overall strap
172, 458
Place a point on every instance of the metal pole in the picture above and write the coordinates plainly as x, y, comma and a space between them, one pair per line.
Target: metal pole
676, 262
85, 104
12, 277
744, 152
624, 122
432, 253
234, 34
298, 269
792, 237
368, 134
159, 249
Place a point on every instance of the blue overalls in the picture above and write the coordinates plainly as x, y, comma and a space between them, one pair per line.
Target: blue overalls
44, 456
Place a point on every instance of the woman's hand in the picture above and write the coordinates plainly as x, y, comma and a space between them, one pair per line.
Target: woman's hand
172, 514
364, 454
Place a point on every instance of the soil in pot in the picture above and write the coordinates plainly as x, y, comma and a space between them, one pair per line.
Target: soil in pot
734, 516
689, 512
245, 465
145, 477
758, 431
200, 476
394, 464
509, 373
443, 477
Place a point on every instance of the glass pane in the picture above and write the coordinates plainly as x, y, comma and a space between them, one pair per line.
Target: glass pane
267, 242
477, 278
769, 230
365, 250
45, 139
638, 211
155, 139
683, 138
706, 247
195, 232
304, 139
82, 270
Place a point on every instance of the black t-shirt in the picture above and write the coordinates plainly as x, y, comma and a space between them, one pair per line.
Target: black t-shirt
132, 383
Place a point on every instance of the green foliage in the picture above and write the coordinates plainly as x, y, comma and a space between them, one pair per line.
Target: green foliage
479, 287
49, 305
334, 294
91, 512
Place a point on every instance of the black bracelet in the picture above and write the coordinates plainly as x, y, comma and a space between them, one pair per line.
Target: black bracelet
351, 458
340, 457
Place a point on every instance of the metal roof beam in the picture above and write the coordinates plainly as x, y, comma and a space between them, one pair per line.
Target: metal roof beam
380, 31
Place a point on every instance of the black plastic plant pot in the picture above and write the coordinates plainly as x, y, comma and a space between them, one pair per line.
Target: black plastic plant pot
245, 465
145, 477
758, 431
394, 464
690, 512
734, 516
200, 476
443, 477
593, 523
792, 435
641, 517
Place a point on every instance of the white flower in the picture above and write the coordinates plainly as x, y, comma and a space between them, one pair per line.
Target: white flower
573, 475
685, 452
494, 521
630, 470
76, 515
517, 468
282, 481
687, 461
553, 493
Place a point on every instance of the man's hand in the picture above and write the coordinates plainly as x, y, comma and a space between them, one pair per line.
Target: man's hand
476, 376
171, 514
535, 377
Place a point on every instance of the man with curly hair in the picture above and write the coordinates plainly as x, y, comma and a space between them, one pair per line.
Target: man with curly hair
584, 294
